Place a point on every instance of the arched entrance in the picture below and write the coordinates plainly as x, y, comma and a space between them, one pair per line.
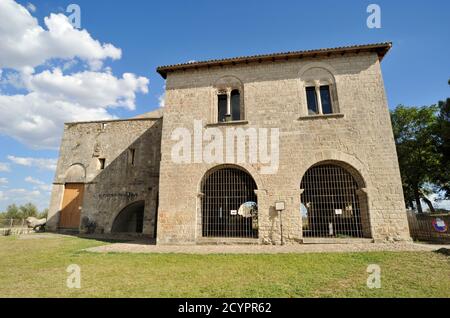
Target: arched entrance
332, 203
229, 204
130, 219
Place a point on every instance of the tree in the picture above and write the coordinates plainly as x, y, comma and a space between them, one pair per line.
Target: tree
22, 212
12, 212
442, 176
416, 141
28, 210
43, 214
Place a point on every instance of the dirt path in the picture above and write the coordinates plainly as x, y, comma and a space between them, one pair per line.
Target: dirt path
268, 249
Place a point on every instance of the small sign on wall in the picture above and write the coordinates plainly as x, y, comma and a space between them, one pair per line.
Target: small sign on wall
338, 211
279, 205
233, 212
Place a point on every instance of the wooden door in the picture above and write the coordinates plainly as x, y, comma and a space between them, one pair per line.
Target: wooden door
71, 206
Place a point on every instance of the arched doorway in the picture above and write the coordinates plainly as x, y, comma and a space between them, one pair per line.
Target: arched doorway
130, 219
332, 204
229, 204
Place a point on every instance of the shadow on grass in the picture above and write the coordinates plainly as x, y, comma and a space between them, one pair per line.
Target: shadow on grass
443, 251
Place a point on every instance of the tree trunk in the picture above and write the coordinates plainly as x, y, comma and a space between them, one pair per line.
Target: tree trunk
430, 205
418, 205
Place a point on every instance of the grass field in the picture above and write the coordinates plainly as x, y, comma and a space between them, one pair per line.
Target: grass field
37, 268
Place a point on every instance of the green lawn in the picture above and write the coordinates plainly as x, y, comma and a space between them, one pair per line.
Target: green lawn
37, 268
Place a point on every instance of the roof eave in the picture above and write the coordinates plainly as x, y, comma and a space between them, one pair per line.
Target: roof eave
380, 48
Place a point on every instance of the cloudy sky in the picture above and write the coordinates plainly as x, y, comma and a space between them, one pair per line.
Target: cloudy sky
52, 72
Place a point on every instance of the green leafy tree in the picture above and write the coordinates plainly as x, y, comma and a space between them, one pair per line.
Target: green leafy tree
416, 141
12, 212
22, 212
43, 214
28, 210
442, 176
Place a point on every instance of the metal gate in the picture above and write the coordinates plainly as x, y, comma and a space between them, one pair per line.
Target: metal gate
330, 204
229, 204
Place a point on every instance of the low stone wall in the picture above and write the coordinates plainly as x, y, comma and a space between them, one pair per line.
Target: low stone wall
14, 231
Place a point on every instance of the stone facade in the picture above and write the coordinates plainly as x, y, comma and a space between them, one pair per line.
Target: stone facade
357, 136
108, 191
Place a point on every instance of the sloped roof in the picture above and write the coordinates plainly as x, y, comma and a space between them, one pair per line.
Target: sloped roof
380, 48
158, 113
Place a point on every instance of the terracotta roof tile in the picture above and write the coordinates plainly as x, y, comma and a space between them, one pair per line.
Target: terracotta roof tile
380, 48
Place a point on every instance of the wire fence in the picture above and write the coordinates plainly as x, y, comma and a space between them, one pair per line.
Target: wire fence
429, 227
13, 226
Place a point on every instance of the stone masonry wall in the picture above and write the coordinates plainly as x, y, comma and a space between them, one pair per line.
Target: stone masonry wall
274, 97
110, 190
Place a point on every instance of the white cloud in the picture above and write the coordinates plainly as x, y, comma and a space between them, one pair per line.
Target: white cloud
34, 181
3, 181
52, 97
31, 7
77, 88
21, 196
39, 184
162, 100
40, 163
24, 43
38, 122
4, 167
37, 118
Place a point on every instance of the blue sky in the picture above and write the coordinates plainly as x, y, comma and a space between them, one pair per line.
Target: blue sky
152, 33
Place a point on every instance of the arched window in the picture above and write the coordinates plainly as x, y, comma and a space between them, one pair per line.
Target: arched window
130, 219
320, 90
229, 204
229, 99
235, 105
332, 205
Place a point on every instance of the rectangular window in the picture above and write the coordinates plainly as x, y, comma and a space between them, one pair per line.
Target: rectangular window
311, 99
101, 163
131, 156
222, 110
325, 98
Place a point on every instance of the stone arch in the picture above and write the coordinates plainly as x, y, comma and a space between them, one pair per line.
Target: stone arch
323, 68
248, 169
75, 174
318, 74
229, 203
345, 160
130, 219
228, 81
334, 201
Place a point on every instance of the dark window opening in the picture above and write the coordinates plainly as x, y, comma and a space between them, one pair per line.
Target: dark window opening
101, 162
311, 99
235, 105
222, 111
130, 219
325, 98
131, 156
229, 205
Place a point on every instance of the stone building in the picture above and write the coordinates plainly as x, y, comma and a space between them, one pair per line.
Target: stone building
287, 147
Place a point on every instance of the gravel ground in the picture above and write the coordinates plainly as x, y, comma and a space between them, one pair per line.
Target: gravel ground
146, 247
263, 249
